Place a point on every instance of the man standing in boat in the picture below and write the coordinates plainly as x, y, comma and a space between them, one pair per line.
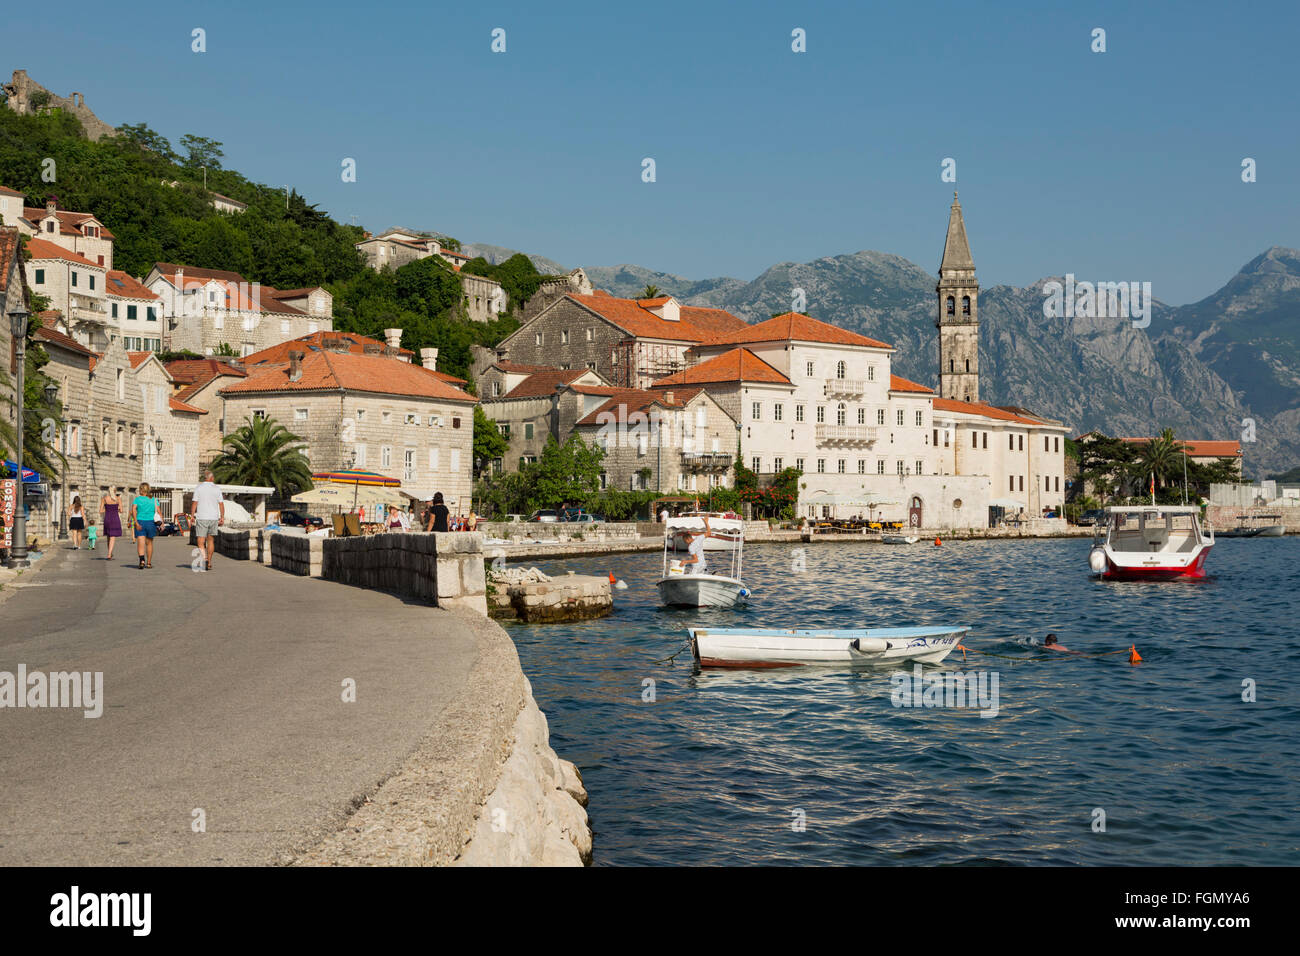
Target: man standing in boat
695, 562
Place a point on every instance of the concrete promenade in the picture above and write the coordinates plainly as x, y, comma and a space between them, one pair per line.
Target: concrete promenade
223, 693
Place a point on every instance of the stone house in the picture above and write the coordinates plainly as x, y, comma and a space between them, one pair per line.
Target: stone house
394, 248
630, 342
197, 383
69, 369
526, 412
366, 411
485, 299
77, 232
76, 287
673, 439
135, 311
170, 446
351, 343
12, 204
18, 97
554, 288
205, 309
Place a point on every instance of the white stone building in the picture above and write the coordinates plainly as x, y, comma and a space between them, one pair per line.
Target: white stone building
205, 309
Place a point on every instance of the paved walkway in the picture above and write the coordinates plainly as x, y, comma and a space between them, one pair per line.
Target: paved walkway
223, 693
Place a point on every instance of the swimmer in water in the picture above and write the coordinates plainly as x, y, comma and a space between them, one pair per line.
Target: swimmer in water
1050, 643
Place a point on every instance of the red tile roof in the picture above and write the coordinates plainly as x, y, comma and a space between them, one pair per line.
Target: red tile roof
138, 358
6, 191
240, 293
738, 365
1201, 448
988, 411
598, 389
121, 284
55, 337
541, 384
633, 316
199, 372
44, 249
334, 371
630, 401
70, 223
795, 327
899, 384
8, 249
351, 341
180, 406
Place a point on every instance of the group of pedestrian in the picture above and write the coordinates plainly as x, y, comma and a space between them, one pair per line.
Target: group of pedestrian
207, 508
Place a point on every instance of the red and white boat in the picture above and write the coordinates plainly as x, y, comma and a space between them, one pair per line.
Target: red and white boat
1151, 543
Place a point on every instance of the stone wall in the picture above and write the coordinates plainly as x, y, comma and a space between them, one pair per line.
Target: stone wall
1224, 517
444, 568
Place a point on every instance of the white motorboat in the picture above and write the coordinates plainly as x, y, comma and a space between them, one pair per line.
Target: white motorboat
792, 647
899, 538
701, 590
1255, 526
689, 581
726, 529
1151, 543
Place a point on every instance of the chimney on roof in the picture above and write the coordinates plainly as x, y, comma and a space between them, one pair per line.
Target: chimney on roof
373, 349
393, 337
429, 359
295, 365
51, 205
668, 398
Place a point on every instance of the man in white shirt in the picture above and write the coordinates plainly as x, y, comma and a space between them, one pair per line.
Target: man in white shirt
209, 510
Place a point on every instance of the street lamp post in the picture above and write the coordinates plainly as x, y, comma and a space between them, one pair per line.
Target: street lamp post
18, 553
51, 393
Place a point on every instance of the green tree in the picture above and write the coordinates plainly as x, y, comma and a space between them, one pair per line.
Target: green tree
201, 151
650, 292
264, 452
140, 135
489, 443
565, 473
225, 350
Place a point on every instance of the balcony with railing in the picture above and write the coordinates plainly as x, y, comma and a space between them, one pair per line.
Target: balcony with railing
845, 434
706, 460
845, 387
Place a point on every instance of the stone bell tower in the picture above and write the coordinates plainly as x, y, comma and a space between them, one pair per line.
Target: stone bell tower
958, 323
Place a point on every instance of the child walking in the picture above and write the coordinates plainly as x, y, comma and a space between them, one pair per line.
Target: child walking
92, 535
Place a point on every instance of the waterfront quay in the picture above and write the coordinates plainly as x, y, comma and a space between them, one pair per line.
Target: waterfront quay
254, 716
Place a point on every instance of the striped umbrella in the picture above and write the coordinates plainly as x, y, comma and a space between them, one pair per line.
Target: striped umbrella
348, 477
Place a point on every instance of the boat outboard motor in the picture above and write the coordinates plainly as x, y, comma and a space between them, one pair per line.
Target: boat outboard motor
1097, 560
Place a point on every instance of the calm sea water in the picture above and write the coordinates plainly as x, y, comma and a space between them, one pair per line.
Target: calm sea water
716, 769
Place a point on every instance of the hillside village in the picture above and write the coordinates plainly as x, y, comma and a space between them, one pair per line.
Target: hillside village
154, 371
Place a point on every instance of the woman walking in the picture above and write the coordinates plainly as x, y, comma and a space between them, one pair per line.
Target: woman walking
437, 515
144, 511
111, 507
76, 522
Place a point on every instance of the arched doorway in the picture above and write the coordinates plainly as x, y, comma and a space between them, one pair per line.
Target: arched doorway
914, 512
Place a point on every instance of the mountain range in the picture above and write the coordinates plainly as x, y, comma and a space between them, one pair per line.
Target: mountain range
1207, 370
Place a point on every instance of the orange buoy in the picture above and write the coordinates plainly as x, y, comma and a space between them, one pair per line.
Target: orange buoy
962, 648
612, 579
937, 542
1133, 656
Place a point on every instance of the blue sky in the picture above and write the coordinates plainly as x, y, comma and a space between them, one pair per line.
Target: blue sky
1123, 165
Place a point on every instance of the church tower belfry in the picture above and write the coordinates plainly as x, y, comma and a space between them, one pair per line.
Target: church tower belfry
958, 322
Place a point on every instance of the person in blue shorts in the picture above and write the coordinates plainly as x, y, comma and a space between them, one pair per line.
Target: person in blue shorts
144, 511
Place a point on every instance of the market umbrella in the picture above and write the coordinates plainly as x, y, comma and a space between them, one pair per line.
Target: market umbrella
357, 479
343, 496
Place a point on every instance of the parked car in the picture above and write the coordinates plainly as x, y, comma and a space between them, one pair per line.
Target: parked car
1091, 517
547, 515
513, 518
580, 518
296, 519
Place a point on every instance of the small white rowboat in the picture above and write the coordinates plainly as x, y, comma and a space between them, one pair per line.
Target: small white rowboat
790, 647
701, 590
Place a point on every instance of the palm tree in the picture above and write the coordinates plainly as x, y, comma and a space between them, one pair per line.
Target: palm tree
1161, 457
262, 452
650, 292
